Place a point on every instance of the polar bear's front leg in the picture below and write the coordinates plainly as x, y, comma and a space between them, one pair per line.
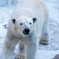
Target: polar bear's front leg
31, 52
8, 48
21, 51
45, 33
28, 52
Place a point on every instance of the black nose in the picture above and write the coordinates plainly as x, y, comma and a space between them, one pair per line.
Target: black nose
26, 31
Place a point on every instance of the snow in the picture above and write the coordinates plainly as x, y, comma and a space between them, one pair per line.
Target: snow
7, 2
43, 51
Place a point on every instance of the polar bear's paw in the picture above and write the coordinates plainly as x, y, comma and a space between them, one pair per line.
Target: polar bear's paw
20, 56
43, 41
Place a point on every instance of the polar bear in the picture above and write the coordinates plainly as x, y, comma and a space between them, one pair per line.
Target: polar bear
28, 20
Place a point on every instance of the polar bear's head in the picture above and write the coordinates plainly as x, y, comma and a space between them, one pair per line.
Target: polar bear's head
23, 25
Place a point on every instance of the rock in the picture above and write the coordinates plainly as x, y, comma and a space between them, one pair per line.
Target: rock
56, 57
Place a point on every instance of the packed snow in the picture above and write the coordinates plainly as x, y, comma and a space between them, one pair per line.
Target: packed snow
43, 51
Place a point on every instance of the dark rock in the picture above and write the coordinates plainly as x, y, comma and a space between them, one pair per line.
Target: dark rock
56, 57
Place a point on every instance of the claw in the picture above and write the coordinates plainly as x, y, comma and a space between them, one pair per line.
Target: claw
43, 41
20, 57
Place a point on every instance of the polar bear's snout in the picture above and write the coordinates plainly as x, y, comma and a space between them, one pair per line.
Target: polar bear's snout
26, 31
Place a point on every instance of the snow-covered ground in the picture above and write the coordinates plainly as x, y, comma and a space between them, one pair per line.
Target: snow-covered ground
43, 52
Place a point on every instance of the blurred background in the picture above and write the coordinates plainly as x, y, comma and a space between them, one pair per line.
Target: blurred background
7, 2
13, 2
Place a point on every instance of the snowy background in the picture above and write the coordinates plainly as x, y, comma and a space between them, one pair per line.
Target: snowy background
43, 52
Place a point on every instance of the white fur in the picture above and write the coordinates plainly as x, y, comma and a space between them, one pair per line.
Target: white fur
24, 12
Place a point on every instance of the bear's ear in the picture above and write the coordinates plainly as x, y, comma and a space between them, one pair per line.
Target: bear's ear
34, 20
13, 20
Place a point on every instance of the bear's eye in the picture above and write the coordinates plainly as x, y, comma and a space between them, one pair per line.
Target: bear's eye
13, 20
21, 23
30, 23
34, 20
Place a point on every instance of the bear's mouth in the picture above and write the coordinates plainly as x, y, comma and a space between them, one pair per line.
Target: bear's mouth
26, 31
